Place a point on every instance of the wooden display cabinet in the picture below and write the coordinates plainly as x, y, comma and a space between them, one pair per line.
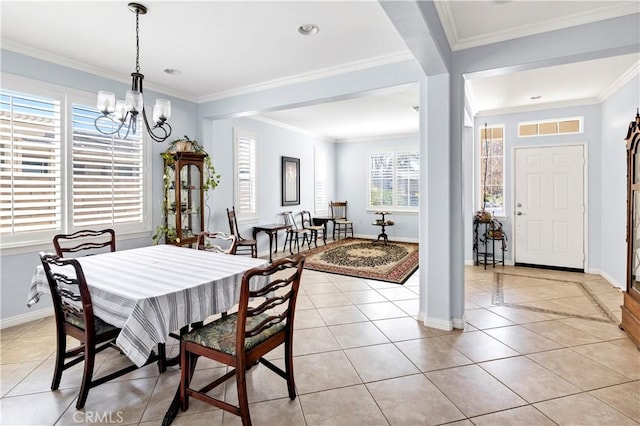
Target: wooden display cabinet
631, 307
184, 197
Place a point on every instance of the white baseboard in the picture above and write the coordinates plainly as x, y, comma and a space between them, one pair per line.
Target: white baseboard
460, 323
439, 324
24, 318
610, 279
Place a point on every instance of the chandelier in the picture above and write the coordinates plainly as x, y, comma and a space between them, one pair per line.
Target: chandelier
122, 115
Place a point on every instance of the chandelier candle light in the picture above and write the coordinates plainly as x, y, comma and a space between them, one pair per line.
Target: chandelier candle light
119, 114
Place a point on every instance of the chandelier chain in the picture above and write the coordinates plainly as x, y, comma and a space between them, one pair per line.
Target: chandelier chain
117, 116
137, 42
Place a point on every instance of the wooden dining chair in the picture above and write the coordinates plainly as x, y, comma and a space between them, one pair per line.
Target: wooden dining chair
84, 242
340, 222
307, 223
246, 246
218, 242
241, 339
295, 234
74, 317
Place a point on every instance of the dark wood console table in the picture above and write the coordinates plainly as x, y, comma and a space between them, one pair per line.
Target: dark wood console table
322, 220
271, 230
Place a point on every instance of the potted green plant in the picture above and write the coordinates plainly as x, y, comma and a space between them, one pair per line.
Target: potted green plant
210, 180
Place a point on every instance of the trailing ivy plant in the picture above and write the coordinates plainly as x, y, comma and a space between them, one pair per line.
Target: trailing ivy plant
210, 180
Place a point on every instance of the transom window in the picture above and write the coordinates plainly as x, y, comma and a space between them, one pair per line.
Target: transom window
550, 127
394, 180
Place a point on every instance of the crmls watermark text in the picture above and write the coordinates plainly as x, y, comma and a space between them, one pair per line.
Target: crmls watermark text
98, 417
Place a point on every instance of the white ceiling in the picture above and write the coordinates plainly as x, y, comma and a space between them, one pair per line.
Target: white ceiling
233, 47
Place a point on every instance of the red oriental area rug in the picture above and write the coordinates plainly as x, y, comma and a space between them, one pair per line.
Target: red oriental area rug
355, 257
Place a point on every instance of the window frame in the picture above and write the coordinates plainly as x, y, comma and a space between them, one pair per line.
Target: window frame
394, 153
497, 211
29, 241
555, 121
240, 215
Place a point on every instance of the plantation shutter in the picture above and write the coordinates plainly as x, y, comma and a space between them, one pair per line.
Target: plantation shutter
320, 189
30, 163
246, 176
381, 179
407, 184
107, 183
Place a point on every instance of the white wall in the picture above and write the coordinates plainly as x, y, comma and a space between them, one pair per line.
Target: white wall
352, 159
616, 113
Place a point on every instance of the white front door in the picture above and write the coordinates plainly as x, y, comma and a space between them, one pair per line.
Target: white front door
549, 206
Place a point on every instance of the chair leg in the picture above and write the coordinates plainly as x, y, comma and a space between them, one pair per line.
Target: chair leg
243, 400
89, 361
286, 239
162, 358
185, 377
288, 359
60, 356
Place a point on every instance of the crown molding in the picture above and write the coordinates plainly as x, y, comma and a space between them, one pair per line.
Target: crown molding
626, 77
600, 14
290, 127
538, 107
379, 137
310, 76
448, 23
81, 66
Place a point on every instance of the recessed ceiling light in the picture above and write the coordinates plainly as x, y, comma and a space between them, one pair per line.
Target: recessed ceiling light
308, 29
534, 98
172, 71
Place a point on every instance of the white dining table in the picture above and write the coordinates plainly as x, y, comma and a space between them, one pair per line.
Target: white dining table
151, 291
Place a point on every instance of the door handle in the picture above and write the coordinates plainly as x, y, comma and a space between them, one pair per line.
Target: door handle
519, 213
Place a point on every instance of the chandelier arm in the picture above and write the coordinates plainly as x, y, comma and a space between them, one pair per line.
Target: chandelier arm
126, 134
111, 120
152, 134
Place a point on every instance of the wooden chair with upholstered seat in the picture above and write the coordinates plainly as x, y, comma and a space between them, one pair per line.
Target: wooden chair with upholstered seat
84, 242
307, 223
218, 242
340, 222
74, 317
246, 246
241, 339
294, 233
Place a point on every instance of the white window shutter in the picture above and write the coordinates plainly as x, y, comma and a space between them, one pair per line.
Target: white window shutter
245, 176
108, 180
30, 164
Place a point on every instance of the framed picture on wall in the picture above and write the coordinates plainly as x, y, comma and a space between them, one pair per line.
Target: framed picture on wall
290, 181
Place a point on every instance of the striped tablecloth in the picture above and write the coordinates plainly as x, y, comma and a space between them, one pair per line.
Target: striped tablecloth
151, 291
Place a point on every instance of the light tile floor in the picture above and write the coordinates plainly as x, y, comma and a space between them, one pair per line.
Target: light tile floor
362, 359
